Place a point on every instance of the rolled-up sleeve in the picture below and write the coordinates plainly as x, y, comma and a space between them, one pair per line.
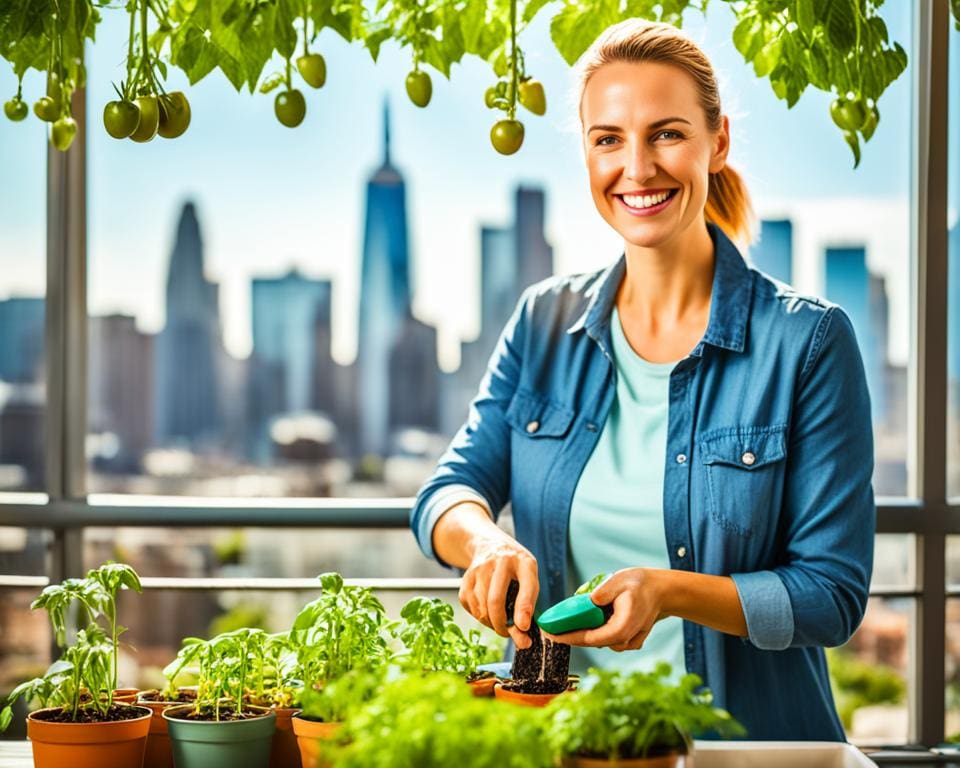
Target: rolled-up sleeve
818, 594
476, 464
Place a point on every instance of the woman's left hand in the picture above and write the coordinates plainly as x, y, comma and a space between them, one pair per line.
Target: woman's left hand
637, 598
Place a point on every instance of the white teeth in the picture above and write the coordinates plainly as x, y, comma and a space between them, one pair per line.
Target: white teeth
645, 201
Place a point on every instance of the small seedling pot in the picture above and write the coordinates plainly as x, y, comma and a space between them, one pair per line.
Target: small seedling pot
125, 695
223, 744
672, 760
118, 743
524, 699
284, 751
313, 738
483, 687
158, 753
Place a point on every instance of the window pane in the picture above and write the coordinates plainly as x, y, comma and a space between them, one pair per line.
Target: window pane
953, 266
894, 562
24, 648
23, 551
22, 290
308, 312
869, 673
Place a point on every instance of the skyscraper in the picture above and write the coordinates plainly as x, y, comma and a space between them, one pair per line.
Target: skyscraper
189, 346
533, 253
849, 284
21, 353
499, 280
773, 253
384, 295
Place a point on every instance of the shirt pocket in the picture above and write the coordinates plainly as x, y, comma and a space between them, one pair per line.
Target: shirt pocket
537, 417
744, 469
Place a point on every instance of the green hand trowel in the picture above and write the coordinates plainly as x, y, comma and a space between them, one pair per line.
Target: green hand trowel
577, 612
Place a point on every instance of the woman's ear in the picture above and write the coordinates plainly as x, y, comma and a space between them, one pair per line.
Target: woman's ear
721, 146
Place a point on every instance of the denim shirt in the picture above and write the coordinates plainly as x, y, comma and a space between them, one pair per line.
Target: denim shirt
767, 476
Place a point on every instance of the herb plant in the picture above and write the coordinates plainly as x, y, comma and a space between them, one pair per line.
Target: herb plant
342, 629
334, 701
634, 715
434, 642
434, 720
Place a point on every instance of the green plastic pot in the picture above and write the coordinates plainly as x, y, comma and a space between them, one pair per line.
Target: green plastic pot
225, 744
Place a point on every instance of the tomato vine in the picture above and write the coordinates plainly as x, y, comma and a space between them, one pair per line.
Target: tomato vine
838, 46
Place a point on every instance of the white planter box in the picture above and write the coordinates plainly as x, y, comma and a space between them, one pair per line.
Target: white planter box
778, 754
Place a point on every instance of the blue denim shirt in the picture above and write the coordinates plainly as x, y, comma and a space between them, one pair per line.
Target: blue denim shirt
767, 476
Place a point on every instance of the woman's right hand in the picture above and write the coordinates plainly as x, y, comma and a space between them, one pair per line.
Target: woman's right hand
496, 561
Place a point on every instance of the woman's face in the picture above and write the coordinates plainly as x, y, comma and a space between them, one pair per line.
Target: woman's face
648, 150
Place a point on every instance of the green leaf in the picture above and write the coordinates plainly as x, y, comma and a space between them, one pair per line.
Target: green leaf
841, 24
747, 35
533, 7
272, 82
6, 717
806, 17
767, 58
576, 26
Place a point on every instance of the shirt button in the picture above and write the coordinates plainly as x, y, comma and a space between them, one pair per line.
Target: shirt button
682, 552
681, 458
533, 426
591, 427
748, 459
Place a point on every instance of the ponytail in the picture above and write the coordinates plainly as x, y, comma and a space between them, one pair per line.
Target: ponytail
728, 206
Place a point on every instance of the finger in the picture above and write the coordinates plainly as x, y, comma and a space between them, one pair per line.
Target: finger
466, 593
480, 590
637, 641
520, 638
608, 590
527, 594
497, 597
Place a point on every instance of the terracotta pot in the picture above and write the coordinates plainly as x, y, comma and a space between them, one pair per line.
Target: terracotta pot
125, 695
119, 744
483, 687
158, 753
524, 699
220, 744
673, 760
284, 752
311, 738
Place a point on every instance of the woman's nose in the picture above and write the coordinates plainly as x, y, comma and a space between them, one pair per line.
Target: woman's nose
640, 162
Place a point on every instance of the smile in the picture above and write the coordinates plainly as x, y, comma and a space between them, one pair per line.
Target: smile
646, 205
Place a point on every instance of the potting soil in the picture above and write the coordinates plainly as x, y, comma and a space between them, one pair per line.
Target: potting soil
544, 667
116, 713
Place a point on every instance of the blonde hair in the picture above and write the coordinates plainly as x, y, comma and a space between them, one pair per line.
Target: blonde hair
635, 41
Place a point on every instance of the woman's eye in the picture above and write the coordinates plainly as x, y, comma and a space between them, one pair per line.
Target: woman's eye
602, 141
669, 134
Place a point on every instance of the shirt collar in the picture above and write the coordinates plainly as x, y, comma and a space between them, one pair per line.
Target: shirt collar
729, 305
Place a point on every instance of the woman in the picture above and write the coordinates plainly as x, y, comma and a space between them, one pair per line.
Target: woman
678, 418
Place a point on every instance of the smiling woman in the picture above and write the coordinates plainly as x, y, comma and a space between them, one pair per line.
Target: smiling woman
676, 397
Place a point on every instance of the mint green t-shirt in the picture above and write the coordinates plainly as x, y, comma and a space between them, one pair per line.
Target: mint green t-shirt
616, 517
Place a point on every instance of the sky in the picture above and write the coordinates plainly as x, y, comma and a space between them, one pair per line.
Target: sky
270, 198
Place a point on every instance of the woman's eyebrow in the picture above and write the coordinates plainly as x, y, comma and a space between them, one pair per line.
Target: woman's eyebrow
652, 126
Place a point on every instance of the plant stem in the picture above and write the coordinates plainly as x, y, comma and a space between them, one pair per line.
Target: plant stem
513, 58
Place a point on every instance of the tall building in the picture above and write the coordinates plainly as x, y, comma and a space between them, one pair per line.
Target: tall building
287, 314
414, 378
189, 348
121, 381
534, 254
850, 284
773, 253
21, 353
499, 280
384, 295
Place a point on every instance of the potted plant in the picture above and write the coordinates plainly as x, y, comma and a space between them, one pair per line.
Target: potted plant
341, 630
219, 728
274, 685
79, 724
539, 673
434, 642
79, 716
636, 720
434, 720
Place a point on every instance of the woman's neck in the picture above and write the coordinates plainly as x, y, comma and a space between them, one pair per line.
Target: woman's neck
664, 284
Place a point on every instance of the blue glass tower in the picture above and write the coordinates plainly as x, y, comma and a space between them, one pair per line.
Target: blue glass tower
384, 296
188, 348
21, 349
773, 253
863, 297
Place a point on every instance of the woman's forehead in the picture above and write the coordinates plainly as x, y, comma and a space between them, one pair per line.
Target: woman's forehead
638, 93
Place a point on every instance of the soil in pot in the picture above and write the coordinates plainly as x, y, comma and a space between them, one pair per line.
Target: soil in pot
482, 683
125, 695
237, 740
313, 738
544, 667
91, 741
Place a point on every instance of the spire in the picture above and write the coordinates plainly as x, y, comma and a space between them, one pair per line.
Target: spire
386, 131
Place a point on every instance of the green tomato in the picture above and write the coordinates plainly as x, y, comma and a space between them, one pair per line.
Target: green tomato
533, 97
62, 133
419, 88
149, 119
121, 118
290, 108
506, 136
174, 115
490, 96
870, 124
46, 109
313, 69
848, 115
15, 109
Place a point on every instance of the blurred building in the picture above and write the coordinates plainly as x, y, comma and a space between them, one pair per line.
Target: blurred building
120, 384
773, 252
21, 436
21, 353
189, 348
384, 296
